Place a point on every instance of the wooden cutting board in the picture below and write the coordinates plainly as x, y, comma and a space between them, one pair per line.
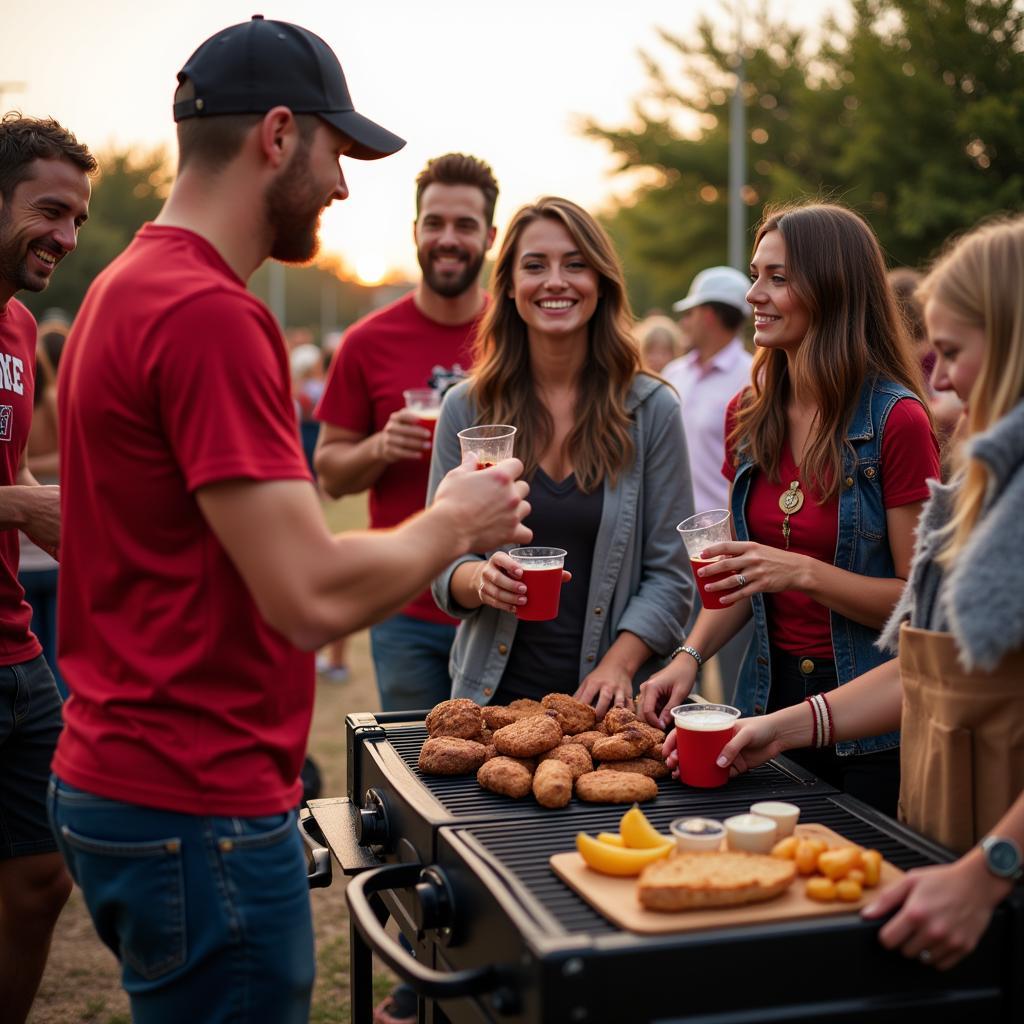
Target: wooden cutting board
616, 898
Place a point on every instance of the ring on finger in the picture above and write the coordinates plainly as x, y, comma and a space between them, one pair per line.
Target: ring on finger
925, 956
741, 580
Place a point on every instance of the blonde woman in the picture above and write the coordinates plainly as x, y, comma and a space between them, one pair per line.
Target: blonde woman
957, 687
604, 451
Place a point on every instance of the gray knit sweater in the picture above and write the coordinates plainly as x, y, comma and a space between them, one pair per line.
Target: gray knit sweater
981, 599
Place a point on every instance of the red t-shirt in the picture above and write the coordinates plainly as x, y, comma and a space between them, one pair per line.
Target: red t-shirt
910, 456
381, 356
182, 697
17, 383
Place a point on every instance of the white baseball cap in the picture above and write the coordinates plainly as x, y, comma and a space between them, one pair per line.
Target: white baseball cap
717, 284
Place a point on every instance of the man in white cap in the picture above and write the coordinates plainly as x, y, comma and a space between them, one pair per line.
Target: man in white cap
714, 369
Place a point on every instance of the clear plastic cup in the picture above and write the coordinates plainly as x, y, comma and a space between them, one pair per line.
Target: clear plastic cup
490, 443
426, 403
700, 532
542, 575
701, 732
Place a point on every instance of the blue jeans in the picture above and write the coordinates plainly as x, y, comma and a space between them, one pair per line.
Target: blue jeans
410, 658
41, 593
209, 917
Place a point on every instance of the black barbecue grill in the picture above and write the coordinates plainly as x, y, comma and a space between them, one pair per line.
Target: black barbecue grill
499, 938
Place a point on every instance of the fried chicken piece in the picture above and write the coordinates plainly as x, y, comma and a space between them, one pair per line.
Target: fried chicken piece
450, 755
491, 751
575, 755
508, 776
573, 715
497, 716
586, 739
649, 766
623, 746
604, 787
486, 736
529, 736
459, 717
657, 735
524, 707
618, 719
552, 783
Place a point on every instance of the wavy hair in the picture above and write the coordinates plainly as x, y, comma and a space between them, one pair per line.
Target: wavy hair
834, 266
979, 279
502, 380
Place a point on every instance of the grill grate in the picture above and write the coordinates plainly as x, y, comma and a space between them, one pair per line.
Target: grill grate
463, 797
524, 850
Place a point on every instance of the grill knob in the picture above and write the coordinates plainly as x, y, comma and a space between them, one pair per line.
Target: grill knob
373, 820
433, 909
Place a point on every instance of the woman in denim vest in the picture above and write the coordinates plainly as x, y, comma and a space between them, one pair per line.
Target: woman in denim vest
957, 685
829, 452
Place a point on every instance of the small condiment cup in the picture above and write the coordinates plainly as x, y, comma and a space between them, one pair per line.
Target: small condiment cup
697, 834
784, 815
751, 833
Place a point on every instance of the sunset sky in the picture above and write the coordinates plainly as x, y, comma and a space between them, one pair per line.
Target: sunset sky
506, 80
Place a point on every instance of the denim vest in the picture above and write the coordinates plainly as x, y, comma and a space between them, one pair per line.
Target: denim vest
862, 547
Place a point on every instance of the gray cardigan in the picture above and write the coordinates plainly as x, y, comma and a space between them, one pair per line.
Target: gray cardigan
640, 579
981, 600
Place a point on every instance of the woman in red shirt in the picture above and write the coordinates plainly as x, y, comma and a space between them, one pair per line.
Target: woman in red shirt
829, 453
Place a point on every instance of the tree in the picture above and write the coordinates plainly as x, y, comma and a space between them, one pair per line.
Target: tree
911, 116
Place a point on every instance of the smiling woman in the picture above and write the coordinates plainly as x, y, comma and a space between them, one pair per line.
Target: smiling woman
603, 449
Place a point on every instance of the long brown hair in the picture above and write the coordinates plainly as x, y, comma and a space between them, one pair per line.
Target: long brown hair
978, 279
835, 267
502, 381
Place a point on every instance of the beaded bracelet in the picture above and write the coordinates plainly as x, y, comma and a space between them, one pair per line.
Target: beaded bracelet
691, 651
821, 720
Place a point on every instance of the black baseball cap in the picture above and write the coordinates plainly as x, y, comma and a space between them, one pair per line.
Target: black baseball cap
259, 64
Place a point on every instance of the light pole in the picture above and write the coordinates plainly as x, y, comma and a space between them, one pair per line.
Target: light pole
738, 157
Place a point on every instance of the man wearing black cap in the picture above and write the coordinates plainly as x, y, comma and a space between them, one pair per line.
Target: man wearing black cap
198, 574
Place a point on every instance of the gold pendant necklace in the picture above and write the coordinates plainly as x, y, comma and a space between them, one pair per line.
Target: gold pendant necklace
790, 502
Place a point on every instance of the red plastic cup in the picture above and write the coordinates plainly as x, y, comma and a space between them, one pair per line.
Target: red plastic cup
426, 403
702, 730
700, 532
542, 575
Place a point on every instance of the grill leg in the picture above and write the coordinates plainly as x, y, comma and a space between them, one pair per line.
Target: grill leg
360, 977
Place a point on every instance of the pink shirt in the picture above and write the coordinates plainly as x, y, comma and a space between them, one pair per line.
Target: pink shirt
704, 393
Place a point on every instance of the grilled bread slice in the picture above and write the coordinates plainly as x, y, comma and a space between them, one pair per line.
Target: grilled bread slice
693, 881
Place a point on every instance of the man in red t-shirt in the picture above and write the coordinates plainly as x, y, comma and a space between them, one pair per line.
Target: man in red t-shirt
369, 440
199, 575
44, 199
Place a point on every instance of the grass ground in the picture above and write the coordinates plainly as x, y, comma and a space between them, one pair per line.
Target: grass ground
82, 982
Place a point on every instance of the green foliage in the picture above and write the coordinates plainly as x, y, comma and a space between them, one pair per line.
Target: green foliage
911, 116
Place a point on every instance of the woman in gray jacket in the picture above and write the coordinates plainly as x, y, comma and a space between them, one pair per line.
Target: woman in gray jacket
603, 447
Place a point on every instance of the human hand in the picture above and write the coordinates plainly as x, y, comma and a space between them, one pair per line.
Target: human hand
943, 910
42, 517
744, 568
487, 506
403, 437
498, 582
754, 741
665, 689
608, 686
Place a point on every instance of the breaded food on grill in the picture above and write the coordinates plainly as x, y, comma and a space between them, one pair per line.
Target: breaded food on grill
497, 716
649, 766
657, 735
602, 787
486, 736
529, 736
692, 881
624, 745
586, 739
573, 754
450, 755
508, 776
524, 707
490, 751
459, 717
573, 715
618, 719
552, 783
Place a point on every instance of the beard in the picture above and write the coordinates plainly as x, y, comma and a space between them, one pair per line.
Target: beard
293, 209
14, 261
450, 286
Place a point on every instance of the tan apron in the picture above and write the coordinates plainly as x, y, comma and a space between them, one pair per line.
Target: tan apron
962, 743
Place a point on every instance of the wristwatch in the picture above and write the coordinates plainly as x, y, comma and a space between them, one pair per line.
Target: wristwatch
1002, 857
